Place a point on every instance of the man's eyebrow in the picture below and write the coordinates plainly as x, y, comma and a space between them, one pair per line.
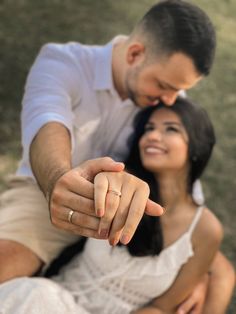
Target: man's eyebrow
169, 86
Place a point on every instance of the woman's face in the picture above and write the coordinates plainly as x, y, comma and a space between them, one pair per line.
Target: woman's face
164, 145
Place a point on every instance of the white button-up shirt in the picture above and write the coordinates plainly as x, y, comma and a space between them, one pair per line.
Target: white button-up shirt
72, 84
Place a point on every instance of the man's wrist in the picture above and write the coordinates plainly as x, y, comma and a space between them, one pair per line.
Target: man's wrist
52, 182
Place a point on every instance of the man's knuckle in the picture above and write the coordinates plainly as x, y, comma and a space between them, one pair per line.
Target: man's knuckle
56, 195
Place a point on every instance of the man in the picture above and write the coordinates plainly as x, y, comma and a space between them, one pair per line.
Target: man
79, 104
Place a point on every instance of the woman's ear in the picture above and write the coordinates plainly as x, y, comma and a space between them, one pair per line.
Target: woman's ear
135, 53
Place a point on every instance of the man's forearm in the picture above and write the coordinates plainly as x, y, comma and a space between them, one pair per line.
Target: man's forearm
50, 155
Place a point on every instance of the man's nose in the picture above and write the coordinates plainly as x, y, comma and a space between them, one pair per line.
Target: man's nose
169, 99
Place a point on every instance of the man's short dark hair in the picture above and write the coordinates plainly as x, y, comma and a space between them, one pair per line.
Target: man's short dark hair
178, 26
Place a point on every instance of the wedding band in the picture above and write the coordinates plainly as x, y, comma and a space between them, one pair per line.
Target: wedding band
71, 212
117, 193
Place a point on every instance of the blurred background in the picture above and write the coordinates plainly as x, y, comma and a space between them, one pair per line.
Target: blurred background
25, 25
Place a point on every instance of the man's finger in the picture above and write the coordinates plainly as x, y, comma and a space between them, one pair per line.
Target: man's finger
91, 168
82, 231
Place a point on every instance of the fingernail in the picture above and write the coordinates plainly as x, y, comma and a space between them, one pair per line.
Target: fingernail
114, 241
100, 212
124, 239
164, 210
104, 233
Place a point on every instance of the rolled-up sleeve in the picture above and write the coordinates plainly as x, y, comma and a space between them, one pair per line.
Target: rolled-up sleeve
52, 86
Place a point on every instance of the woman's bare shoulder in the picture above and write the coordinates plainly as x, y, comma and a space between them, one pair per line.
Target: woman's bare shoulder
209, 228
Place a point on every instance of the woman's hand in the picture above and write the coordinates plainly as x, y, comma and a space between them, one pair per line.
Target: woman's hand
121, 200
72, 198
195, 301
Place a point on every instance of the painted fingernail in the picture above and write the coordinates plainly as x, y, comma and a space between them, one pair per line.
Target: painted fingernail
124, 239
114, 241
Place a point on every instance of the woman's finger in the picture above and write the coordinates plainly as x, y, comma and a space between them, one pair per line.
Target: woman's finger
112, 204
135, 214
101, 185
127, 193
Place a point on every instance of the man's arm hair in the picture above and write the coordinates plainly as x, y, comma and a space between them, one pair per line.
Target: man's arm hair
50, 155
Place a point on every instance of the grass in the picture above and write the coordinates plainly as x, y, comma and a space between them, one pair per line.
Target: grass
26, 25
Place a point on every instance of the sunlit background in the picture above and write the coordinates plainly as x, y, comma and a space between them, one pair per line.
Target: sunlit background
25, 25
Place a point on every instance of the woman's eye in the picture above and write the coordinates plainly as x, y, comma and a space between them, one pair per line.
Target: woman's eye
172, 129
148, 128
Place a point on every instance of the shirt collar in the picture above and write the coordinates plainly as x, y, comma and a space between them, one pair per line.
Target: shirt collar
103, 79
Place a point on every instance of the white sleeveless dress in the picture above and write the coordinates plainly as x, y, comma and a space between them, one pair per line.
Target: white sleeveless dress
101, 280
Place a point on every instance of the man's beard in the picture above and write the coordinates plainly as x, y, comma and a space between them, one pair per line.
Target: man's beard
131, 92
132, 96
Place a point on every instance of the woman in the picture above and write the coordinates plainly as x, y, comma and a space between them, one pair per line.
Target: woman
167, 255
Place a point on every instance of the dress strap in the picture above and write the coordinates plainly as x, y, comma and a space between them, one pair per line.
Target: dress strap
195, 219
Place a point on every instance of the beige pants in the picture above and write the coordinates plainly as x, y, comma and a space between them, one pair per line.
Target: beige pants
24, 218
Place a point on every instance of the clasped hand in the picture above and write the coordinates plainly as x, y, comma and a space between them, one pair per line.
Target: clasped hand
100, 200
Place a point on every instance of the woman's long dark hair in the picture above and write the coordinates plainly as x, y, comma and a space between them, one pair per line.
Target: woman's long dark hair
148, 239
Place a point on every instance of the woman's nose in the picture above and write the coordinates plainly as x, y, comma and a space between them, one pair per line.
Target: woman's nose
155, 135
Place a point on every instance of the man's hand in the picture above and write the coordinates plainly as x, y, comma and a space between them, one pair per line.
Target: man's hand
195, 302
70, 191
73, 193
72, 205
121, 200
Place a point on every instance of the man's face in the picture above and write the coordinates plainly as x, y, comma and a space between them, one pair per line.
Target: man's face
148, 83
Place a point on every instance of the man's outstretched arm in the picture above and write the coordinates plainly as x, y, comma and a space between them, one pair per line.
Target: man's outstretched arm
71, 189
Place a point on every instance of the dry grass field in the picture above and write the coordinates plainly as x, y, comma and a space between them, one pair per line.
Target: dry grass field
26, 25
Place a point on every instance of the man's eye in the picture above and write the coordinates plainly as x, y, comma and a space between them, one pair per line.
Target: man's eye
161, 86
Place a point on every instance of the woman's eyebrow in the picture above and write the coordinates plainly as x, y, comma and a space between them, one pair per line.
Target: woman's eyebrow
173, 122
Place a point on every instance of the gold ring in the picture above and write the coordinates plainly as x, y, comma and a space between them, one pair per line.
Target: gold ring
69, 218
117, 193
